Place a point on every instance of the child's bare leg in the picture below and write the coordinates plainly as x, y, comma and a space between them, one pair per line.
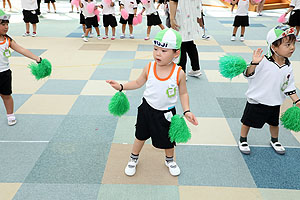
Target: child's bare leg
53, 4
34, 28
243, 145
169, 152
8, 103
113, 29
27, 25
244, 130
83, 28
130, 29
106, 31
235, 30
274, 130
161, 26
48, 5
137, 146
123, 28
148, 31
243, 28
97, 31
87, 30
9, 4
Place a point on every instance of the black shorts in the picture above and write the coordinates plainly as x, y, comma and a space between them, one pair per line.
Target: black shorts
160, 1
153, 19
5, 82
294, 19
91, 21
129, 20
82, 19
109, 20
30, 16
48, 1
241, 21
151, 123
256, 115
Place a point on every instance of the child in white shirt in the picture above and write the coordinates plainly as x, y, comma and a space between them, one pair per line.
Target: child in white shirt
131, 7
109, 18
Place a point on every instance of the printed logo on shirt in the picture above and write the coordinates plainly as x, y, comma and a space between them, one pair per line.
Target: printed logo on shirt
171, 91
285, 82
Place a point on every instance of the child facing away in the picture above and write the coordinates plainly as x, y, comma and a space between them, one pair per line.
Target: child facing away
90, 19
131, 7
294, 20
30, 16
164, 79
241, 18
153, 18
109, 18
7, 42
48, 4
270, 79
200, 21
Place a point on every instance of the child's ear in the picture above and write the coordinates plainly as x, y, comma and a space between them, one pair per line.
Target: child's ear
177, 53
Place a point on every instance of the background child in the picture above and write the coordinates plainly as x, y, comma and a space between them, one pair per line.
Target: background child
131, 7
153, 18
270, 80
72, 8
241, 18
163, 80
201, 23
30, 16
48, 4
109, 18
294, 20
90, 19
7, 42
9, 4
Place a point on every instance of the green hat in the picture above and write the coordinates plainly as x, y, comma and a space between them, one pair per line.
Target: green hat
168, 38
277, 33
3, 15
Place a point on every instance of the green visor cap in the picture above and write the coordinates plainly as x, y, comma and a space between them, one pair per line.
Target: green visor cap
168, 38
3, 15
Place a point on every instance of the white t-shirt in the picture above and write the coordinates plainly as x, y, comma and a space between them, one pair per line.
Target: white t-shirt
85, 10
270, 82
295, 4
243, 7
107, 9
162, 94
29, 4
149, 7
4, 63
129, 5
186, 17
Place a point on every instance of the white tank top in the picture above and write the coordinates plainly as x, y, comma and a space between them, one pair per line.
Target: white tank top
162, 93
4, 54
243, 7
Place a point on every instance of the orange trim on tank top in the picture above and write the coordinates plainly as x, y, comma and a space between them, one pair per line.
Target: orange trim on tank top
178, 75
3, 41
163, 79
149, 66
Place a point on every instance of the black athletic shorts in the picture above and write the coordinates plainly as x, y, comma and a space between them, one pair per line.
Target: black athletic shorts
109, 20
241, 21
153, 19
151, 123
129, 20
82, 19
256, 115
30, 16
5, 82
294, 18
48, 1
91, 21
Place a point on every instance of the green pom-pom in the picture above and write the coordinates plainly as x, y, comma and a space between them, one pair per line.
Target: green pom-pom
119, 104
41, 70
231, 66
179, 131
291, 119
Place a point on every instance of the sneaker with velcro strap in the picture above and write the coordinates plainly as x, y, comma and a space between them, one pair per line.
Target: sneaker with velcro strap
244, 147
173, 168
131, 167
278, 147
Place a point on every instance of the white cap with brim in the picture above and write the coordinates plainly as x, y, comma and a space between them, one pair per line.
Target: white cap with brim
3, 15
277, 33
169, 39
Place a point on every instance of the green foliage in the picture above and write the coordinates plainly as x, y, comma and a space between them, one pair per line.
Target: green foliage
179, 131
231, 66
119, 104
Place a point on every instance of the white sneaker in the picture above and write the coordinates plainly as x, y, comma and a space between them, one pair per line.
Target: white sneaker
85, 39
242, 38
278, 147
91, 35
34, 35
11, 121
173, 168
82, 36
122, 36
131, 36
205, 37
99, 37
244, 147
196, 73
131, 167
233, 38
26, 34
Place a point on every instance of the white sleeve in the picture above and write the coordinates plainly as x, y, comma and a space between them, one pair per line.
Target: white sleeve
291, 84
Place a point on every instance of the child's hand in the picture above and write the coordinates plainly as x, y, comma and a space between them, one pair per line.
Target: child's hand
257, 57
114, 84
298, 104
191, 118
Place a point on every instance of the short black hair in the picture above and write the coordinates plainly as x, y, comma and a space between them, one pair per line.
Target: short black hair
4, 21
291, 38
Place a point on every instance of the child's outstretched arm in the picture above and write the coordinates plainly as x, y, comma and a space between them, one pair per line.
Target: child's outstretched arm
256, 58
184, 99
132, 85
24, 51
